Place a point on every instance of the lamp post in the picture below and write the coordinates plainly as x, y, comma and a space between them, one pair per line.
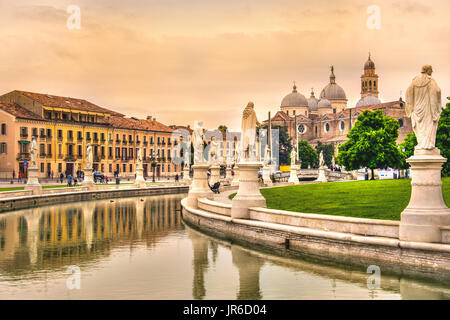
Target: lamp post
153, 165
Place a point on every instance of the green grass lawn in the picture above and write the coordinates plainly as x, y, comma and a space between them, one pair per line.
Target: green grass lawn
380, 199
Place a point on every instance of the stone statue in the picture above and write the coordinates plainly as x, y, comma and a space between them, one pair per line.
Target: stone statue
186, 155
248, 134
267, 155
321, 160
293, 157
197, 140
333, 162
33, 152
213, 149
423, 105
237, 152
89, 157
139, 158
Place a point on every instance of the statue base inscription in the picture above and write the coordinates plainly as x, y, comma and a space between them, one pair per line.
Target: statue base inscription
426, 213
293, 177
33, 181
199, 187
248, 194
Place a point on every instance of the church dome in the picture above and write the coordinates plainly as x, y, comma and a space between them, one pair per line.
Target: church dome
313, 102
324, 103
368, 100
333, 91
369, 64
294, 99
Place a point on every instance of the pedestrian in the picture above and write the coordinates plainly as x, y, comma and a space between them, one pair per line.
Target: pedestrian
176, 177
14, 174
52, 174
61, 177
69, 180
20, 177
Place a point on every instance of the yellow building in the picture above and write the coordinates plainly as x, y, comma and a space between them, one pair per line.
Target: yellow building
64, 126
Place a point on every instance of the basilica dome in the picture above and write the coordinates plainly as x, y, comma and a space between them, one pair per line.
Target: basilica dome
294, 99
369, 64
368, 100
313, 102
333, 91
324, 103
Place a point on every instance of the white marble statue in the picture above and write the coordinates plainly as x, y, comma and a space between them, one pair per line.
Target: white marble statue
186, 155
139, 158
267, 155
237, 152
213, 150
33, 152
424, 106
293, 157
321, 160
89, 157
248, 132
197, 140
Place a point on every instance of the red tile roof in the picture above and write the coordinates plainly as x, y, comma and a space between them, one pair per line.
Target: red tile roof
66, 102
18, 111
138, 124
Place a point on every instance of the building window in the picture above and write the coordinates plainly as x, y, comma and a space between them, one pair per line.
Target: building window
49, 133
3, 147
79, 135
24, 132
131, 167
60, 167
42, 149
42, 167
400, 122
110, 152
327, 127
80, 151
110, 168
60, 149
60, 134
342, 126
301, 129
35, 132
49, 149
102, 167
124, 168
70, 134
3, 128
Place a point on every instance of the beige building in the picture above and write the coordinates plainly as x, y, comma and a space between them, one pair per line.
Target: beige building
63, 127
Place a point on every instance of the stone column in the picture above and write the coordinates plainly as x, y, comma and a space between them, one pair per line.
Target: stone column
199, 187
140, 181
88, 214
33, 181
235, 181
426, 213
293, 177
88, 180
266, 176
215, 174
322, 177
248, 194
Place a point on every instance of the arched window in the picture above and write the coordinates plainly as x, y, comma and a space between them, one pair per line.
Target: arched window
342, 126
370, 84
327, 127
400, 122
374, 83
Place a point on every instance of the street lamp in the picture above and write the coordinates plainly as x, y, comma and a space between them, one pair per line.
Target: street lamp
153, 165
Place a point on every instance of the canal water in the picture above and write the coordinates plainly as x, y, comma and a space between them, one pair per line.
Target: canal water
139, 248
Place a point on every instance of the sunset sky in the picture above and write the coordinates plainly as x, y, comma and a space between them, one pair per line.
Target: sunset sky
183, 60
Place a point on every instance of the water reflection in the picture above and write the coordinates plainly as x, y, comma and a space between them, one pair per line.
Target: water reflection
138, 248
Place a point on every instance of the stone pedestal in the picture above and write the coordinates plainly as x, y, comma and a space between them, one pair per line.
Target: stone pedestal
88, 180
248, 194
235, 181
322, 177
229, 176
293, 177
33, 181
426, 213
215, 174
266, 176
186, 177
140, 181
199, 186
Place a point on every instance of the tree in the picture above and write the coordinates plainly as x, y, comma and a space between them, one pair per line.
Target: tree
371, 143
407, 149
307, 154
443, 138
328, 152
284, 144
222, 128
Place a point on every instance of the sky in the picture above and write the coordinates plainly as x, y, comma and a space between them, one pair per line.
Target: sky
186, 60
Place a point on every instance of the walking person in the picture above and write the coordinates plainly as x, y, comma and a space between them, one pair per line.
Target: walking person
61, 177
19, 177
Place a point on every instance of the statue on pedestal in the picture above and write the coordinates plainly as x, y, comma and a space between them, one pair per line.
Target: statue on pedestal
139, 159
248, 134
33, 152
424, 106
197, 141
293, 157
89, 157
214, 145
237, 152
321, 160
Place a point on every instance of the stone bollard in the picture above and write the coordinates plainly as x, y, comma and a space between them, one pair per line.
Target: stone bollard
322, 177
248, 194
266, 176
140, 181
199, 187
426, 212
293, 176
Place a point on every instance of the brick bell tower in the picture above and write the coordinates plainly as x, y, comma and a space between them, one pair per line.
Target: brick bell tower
369, 80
